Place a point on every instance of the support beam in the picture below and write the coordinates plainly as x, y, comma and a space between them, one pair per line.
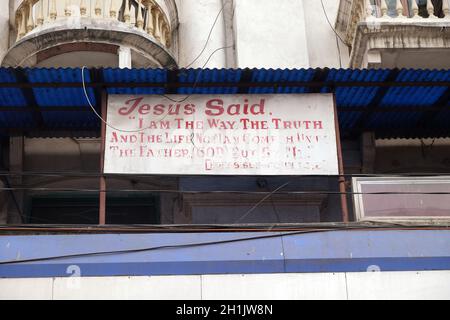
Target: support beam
124, 54
29, 97
97, 77
320, 76
172, 78
16, 151
101, 97
368, 152
246, 77
342, 181
102, 205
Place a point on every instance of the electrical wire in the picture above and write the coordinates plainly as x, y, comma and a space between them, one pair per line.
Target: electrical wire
97, 114
112, 175
274, 207
238, 192
209, 36
162, 95
156, 190
339, 52
336, 35
149, 249
194, 86
172, 191
245, 215
331, 25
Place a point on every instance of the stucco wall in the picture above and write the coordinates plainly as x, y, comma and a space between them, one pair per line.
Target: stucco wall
342, 286
196, 19
325, 49
271, 34
267, 34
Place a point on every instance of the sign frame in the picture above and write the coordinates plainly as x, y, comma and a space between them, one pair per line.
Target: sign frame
103, 185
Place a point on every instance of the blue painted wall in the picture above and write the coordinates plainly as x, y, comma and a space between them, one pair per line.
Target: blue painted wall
338, 251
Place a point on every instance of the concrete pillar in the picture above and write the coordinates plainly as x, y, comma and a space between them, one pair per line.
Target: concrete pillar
196, 20
124, 57
230, 42
16, 151
270, 34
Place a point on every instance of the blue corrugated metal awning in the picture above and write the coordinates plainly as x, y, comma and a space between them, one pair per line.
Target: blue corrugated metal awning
392, 103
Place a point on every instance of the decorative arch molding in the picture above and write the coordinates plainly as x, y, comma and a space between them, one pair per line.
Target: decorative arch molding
172, 11
35, 20
369, 40
26, 52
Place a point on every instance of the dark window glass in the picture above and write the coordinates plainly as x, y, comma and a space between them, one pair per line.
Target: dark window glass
437, 8
85, 210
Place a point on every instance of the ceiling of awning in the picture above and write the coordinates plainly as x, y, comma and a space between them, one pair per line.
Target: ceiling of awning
392, 103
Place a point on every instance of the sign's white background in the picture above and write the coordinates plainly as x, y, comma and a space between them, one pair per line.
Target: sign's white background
172, 148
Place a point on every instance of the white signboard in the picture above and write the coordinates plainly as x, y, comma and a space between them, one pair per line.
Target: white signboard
222, 135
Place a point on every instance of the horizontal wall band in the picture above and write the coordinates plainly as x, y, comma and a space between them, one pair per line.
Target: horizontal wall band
341, 251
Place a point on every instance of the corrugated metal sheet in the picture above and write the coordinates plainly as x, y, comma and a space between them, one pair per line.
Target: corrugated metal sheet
208, 76
12, 97
63, 97
357, 105
133, 76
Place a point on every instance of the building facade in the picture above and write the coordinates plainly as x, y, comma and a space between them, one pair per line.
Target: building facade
386, 64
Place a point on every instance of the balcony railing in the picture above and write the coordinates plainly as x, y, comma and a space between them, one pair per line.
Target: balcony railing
144, 15
407, 9
376, 12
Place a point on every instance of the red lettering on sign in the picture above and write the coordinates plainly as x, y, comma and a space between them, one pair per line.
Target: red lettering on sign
136, 104
216, 107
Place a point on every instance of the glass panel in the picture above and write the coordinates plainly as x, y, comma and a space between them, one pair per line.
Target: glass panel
437, 8
405, 205
83, 210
